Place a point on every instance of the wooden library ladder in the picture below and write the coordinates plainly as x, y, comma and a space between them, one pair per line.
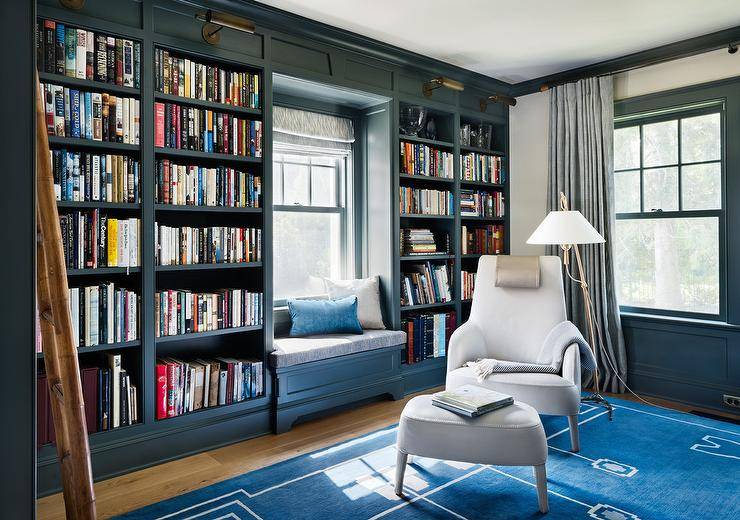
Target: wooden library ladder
60, 354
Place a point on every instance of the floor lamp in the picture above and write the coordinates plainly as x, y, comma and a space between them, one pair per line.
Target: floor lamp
568, 228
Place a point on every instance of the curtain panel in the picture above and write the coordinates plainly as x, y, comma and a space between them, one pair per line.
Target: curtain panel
581, 166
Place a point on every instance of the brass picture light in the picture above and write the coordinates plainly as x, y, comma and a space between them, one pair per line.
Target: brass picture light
441, 81
214, 22
497, 98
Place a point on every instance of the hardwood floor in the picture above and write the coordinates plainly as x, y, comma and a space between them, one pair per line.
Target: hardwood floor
134, 490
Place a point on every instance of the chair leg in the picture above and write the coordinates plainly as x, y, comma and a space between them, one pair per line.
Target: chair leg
575, 441
540, 475
400, 470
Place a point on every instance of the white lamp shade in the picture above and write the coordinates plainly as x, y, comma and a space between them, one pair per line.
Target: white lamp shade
565, 227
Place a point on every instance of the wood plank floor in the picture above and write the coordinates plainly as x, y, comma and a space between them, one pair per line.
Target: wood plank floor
134, 490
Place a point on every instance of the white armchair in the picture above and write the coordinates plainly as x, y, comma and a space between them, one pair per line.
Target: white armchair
511, 324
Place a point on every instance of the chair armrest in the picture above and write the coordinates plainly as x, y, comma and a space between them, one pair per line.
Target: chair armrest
466, 344
571, 369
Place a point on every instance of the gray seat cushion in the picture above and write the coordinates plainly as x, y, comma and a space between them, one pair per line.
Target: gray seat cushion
295, 351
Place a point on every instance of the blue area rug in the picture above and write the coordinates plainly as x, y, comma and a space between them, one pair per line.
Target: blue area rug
647, 463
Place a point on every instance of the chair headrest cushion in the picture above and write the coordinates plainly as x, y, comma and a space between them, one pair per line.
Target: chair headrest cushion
521, 272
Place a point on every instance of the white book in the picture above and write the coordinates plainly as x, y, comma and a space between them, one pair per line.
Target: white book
223, 375
125, 116
74, 310
94, 311
90, 51
123, 243
133, 321
114, 362
86, 316
133, 233
137, 119
81, 54
111, 313
95, 177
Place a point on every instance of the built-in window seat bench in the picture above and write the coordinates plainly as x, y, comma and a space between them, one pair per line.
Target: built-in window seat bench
313, 374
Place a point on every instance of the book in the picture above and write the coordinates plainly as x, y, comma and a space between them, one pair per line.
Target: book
114, 362
471, 400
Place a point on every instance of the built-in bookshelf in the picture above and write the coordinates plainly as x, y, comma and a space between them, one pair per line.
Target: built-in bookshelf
202, 186
475, 224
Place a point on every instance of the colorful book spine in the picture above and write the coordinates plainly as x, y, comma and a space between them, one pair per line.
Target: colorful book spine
211, 245
415, 201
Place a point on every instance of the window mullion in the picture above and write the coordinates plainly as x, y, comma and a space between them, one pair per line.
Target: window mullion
680, 169
642, 175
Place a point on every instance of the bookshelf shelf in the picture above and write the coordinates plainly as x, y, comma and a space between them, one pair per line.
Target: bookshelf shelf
210, 105
484, 151
89, 144
102, 348
214, 411
428, 142
208, 156
481, 184
425, 364
207, 334
97, 204
205, 209
409, 308
86, 84
102, 271
471, 255
483, 219
426, 178
423, 258
205, 267
427, 217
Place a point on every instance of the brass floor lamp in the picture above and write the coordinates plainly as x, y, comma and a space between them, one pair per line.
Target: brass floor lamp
568, 228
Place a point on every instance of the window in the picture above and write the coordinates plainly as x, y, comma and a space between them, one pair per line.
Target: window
668, 185
310, 220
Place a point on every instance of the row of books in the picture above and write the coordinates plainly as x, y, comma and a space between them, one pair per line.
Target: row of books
189, 185
427, 336
481, 168
425, 283
187, 78
187, 386
91, 55
207, 245
92, 239
481, 203
467, 281
485, 240
110, 396
414, 201
82, 176
416, 241
189, 128
93, 116
184, 312
420, 159
103, 314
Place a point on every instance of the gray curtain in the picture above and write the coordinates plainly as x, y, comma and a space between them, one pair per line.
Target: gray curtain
581, 166
311, 129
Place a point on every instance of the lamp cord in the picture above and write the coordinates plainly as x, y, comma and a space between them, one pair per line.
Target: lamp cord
600, 341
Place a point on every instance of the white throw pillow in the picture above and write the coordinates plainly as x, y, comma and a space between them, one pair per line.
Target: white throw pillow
367, 291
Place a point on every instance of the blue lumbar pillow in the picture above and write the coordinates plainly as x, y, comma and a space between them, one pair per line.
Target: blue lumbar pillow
324, 316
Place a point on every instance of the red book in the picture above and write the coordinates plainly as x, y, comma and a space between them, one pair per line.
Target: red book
410, 342
90, 397
161, 391
159, 124
171, 369
42, 411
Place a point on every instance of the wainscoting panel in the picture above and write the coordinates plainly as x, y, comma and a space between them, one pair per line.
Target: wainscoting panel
692, 362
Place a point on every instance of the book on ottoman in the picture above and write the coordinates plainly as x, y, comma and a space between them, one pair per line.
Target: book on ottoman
471, 400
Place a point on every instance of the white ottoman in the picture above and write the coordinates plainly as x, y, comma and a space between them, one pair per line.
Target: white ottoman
511, 436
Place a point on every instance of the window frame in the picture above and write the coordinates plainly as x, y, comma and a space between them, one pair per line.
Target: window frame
678, 113
343, 196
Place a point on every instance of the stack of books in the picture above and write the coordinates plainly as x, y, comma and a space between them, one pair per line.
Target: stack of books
415, 201
92, 239
426, 283
423, 242
481, 204
471, 400
211, 245
481, 168
419, 159
487, 240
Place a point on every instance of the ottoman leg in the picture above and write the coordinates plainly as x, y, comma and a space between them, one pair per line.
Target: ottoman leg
400, 470
575, 441
540, 475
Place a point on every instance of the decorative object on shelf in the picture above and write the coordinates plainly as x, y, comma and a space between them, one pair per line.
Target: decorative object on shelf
75, 5
214, 22
497, 98
441, 81
568, 228
413, 118
430, 129
465, 135
485, 136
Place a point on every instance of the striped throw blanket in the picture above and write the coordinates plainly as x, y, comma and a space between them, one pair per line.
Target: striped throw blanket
550, 358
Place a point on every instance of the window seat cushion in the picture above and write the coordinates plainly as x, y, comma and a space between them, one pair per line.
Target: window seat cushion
296, 351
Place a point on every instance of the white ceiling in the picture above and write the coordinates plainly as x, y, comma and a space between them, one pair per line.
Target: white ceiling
518, 40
